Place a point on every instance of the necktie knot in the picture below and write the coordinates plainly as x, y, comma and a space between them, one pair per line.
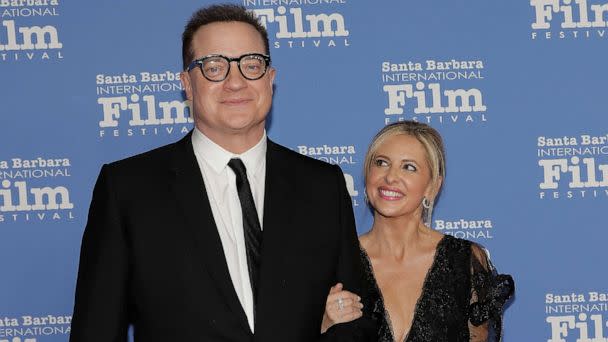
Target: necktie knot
236, 164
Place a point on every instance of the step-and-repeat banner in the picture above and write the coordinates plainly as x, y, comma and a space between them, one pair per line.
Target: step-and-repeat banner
517, 89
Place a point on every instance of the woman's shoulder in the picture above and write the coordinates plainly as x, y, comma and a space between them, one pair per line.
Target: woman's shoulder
475, 248
454, 245
476, 259
456, 241
465, 254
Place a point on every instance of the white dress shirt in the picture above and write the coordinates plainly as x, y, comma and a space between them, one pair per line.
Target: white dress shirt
220, 183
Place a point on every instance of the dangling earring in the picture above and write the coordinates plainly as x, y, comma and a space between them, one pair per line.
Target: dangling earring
365, 196
427, 211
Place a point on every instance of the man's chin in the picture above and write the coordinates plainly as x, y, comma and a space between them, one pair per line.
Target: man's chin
245, 127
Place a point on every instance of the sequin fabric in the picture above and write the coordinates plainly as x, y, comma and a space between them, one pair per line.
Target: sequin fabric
462, 297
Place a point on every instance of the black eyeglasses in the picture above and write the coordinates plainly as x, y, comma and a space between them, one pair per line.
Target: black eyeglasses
215, 68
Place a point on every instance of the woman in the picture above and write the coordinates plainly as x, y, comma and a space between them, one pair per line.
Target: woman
424, 286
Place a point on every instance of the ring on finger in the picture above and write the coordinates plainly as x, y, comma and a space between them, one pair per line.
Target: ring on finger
340, 304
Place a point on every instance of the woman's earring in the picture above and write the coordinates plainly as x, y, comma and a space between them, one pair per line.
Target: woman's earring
427, 211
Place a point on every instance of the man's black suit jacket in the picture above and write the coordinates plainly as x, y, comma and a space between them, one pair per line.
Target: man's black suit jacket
151, 256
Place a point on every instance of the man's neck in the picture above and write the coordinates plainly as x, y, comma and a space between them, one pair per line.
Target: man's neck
234, 142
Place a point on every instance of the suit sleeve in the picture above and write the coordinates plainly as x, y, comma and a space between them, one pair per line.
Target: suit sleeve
350, 272
100, 309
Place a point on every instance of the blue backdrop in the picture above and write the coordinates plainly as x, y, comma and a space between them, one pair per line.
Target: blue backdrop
517, 89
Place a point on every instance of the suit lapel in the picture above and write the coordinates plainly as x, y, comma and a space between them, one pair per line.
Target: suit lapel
191, 197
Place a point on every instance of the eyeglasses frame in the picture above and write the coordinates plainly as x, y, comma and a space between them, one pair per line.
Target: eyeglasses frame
199, 62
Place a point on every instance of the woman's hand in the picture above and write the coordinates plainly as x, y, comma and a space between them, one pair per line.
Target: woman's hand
341, 307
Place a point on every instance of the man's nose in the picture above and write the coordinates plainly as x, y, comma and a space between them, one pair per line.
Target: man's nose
235, 80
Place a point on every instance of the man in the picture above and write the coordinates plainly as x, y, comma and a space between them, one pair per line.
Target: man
224, 235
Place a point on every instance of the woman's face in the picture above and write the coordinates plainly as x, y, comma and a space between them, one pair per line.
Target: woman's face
399, 177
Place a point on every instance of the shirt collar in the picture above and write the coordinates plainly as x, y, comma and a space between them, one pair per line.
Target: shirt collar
217, 157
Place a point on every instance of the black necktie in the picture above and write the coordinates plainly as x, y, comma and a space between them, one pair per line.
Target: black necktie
251, 224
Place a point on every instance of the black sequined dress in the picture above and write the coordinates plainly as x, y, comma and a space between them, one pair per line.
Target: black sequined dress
462, 297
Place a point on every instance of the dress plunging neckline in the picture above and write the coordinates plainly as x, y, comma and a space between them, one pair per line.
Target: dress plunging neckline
422, 292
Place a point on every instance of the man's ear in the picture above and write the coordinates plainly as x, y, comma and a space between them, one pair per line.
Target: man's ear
184, 77
272, 73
